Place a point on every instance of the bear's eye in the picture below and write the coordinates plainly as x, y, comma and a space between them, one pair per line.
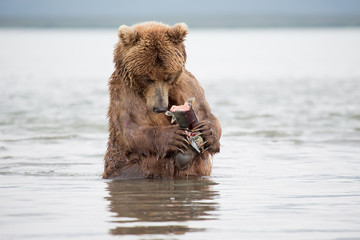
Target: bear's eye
169, 79
148, 80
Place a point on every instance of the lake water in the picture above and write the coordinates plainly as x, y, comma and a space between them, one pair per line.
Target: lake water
289, 168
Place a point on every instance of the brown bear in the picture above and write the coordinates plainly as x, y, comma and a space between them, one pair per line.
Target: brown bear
149, 78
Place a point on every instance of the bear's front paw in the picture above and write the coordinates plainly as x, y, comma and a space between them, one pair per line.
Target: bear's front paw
175, 139
211, 142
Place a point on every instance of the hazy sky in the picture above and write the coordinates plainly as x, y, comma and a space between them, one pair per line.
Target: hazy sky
89, 8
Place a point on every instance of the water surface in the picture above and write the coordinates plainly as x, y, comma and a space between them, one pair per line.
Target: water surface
288, 101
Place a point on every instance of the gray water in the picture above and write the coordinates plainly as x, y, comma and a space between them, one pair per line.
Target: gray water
289, 168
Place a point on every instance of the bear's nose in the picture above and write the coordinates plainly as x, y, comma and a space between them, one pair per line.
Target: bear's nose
159, 110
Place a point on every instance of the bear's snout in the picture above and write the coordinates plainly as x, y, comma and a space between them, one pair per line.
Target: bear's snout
160, 104
159, 109
157, 97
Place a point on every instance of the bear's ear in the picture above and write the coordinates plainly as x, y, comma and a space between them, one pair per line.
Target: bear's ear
177, 33
127, 35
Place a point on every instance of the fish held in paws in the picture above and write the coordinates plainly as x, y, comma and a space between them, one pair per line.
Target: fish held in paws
185, 116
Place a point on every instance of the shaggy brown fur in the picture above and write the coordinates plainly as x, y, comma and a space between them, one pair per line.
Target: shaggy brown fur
150, 77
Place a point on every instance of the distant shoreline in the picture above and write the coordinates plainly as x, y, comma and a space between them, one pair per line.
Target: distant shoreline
194, 21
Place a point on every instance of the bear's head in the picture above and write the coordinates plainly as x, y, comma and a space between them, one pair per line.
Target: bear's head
150, 57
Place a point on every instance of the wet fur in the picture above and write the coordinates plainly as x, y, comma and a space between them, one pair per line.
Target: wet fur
138, 146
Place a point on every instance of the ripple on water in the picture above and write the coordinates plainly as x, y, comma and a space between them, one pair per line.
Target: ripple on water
45, 139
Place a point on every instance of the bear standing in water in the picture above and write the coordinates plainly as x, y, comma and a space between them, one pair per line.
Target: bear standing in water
149, 78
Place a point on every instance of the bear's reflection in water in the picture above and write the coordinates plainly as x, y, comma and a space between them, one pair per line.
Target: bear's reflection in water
161, 206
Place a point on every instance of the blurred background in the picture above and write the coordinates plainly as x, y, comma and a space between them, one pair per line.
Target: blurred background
282, 76
199, 14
